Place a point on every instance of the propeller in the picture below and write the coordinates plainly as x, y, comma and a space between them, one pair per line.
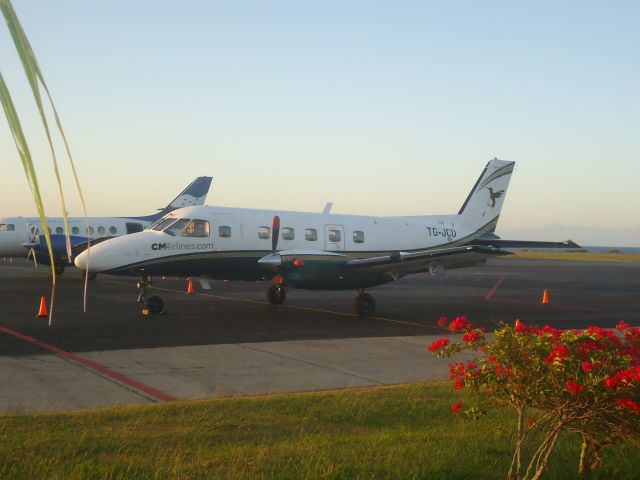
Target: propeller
275, 233
273, 260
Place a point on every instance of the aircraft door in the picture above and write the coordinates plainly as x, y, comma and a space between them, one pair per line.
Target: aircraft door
334, 238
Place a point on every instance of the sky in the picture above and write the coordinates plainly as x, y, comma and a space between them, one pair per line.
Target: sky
383, 108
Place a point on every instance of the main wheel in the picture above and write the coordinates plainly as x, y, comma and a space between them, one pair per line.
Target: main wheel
276, 294
155, 305
92, 275
365, 305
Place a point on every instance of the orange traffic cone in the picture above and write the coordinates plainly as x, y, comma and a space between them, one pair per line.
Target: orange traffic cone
190, 288
545, 297
42, 312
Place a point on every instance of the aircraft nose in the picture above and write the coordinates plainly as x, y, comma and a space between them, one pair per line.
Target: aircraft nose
82, 260
95, 262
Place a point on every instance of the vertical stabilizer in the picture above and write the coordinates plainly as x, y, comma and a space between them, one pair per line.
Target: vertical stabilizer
481, 209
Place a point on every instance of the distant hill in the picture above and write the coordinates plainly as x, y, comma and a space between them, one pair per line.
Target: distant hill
584, 235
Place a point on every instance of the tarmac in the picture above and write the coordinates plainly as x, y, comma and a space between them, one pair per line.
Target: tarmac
228, 341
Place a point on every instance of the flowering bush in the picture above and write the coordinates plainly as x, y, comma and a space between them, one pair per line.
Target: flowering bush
585, 381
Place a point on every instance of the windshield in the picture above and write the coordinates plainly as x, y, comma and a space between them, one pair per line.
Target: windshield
162, 224
196, 228
176, 227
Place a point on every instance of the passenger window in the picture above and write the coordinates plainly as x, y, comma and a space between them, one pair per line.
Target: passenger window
90, 230
196, 228
59, 230
311, 234
176, 227
358, 237
75, 230
113, 230
264, 233
335, 235
7, 227
101, 230
224, 231
288, 233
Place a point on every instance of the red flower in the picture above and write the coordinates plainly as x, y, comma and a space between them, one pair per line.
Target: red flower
587, 366
438, 344
559, 353
456, 406
492, 359
460, 323
498, 369
622, 325
628, 403
442, 322
519, 327
574, 387
471, 337
458, 384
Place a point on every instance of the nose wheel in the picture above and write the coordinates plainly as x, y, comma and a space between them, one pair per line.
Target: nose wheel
153, 305
365, 304
276, 294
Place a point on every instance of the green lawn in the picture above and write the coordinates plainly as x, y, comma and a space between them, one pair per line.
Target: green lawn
388, 432
603, 257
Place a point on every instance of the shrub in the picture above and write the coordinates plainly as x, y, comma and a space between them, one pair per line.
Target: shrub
584, 381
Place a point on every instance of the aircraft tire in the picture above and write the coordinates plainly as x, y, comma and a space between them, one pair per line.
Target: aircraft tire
92, 275
155, 305
276, 294
58, 268
365, 305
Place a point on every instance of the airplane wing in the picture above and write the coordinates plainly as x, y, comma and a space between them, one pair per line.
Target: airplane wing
500, 243
408, 262
317, 269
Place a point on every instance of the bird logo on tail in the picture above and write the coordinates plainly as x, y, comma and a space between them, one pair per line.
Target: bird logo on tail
493, 195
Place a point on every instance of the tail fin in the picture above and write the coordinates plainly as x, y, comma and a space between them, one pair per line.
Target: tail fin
194, 195
481, 209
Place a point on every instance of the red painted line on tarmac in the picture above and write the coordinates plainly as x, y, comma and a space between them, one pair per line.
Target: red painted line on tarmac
85, 362
493, 290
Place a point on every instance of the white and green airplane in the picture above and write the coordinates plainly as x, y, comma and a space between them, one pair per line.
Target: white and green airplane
309, 250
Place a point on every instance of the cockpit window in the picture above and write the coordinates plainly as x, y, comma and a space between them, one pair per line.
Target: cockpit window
161, 224
177, 227
196, 228
7, 227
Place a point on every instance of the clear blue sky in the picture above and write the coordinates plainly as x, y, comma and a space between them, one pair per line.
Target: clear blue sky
381, 107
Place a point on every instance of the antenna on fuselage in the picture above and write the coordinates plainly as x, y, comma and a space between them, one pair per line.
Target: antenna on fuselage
327, 208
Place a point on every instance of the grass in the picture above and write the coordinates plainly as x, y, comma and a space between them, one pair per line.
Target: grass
612, 256
386, 432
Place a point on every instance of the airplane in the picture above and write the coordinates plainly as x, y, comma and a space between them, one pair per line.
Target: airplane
20, 235
311, 250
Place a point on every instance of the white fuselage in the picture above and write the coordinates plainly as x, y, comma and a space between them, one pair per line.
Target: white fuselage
247, 232
17, 231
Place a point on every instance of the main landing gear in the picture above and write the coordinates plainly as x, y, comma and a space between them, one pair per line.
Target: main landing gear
152, 305
365, 304
276, 294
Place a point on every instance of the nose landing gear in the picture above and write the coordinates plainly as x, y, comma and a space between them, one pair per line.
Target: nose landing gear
153, 305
